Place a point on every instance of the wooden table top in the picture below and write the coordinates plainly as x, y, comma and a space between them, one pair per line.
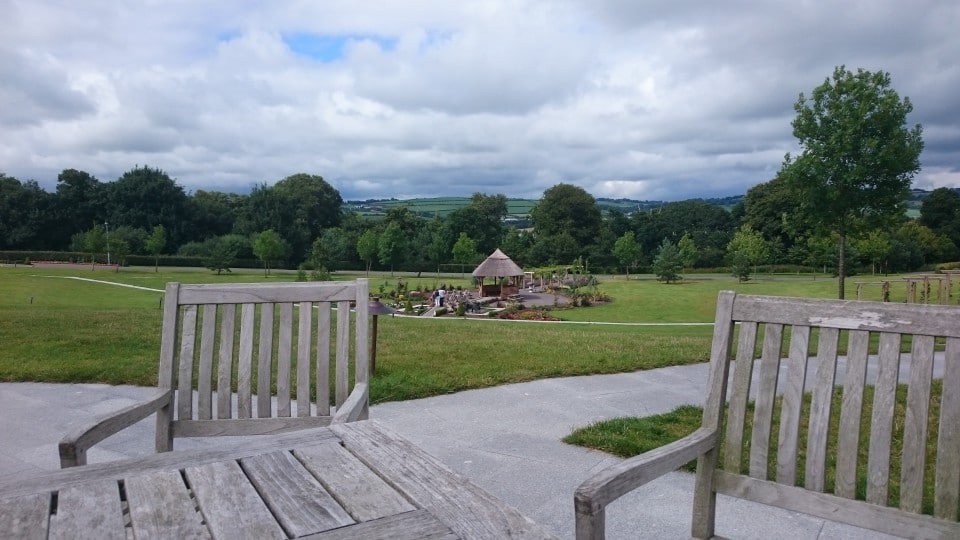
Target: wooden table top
356, 480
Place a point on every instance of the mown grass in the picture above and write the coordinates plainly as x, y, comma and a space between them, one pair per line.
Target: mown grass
64, 330
628, 437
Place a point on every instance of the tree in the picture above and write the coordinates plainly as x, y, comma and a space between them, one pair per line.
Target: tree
78, 201
746, 250
940, 211
25, 222
391, 246
688, 250
667, 263
464, 250
120, 249
94, 243
367, 247
155, 244
268, 246
143, 198
875, 247
767, 208
567, 209
627, 251
857, 156
222, 252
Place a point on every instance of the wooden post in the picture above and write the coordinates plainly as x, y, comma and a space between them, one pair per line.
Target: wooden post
859, 291
911, 291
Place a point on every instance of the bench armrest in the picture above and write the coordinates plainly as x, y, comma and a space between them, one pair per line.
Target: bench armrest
355, 407
73, 447
608, 485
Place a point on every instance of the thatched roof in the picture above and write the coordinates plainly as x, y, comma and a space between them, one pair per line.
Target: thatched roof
498, 265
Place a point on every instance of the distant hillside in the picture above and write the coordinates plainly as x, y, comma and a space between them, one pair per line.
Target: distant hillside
518, 210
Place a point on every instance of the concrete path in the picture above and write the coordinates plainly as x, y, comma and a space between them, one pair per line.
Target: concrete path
505, 439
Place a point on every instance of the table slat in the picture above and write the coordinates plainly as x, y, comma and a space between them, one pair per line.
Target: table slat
364, 494
91, 510
295, 497
25, 517
415, 525
230, 504
468, 510
161, 507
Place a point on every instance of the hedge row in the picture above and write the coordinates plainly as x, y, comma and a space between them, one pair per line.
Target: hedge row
23, 257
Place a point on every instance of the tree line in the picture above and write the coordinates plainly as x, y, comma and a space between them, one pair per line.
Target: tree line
839, 204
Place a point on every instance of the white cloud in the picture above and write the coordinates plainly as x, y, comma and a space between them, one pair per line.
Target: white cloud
429, 98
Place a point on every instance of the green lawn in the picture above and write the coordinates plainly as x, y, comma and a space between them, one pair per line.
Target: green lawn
65, 330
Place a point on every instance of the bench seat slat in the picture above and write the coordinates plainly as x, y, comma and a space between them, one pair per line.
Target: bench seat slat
874, 517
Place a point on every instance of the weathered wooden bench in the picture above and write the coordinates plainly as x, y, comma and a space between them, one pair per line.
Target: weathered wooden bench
740, 454
269, 344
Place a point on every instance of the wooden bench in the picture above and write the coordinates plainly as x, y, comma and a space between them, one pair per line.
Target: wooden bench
269, 344
774, 340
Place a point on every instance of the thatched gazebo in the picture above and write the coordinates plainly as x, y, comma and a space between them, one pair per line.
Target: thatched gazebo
502, 268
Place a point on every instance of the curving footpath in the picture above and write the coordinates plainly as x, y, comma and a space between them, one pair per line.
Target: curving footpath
505, 439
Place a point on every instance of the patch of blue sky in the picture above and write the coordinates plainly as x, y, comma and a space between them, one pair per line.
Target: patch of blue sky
324, 48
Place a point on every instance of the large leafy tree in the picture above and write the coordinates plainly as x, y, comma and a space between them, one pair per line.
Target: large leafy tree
78, 202
567, 209
24, 215
143, 198
857, 156
298, 208
481, 220
941, 212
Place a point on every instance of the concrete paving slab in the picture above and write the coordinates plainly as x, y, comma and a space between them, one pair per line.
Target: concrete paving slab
505, 439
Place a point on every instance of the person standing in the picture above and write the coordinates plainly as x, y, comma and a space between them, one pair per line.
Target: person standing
441, 293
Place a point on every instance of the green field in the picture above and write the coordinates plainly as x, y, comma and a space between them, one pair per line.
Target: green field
60, 329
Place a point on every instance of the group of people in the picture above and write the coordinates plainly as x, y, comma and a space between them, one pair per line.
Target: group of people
438, 296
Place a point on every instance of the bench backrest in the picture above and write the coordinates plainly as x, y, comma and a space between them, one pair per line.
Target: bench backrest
250, 359
844, 356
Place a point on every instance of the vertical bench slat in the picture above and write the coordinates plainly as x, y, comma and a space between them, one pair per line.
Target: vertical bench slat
915, 424
188, 336
851, 410
766, 392
284, 357
228, 322
739, 395
884, 401
821, 404
304, 332
788, 446
361, 330
343, 352
205, 373
704, 495
248, 315
323, 359
947, 482
265, 360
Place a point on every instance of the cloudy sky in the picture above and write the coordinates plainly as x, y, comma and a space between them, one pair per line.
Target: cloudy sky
422, 98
